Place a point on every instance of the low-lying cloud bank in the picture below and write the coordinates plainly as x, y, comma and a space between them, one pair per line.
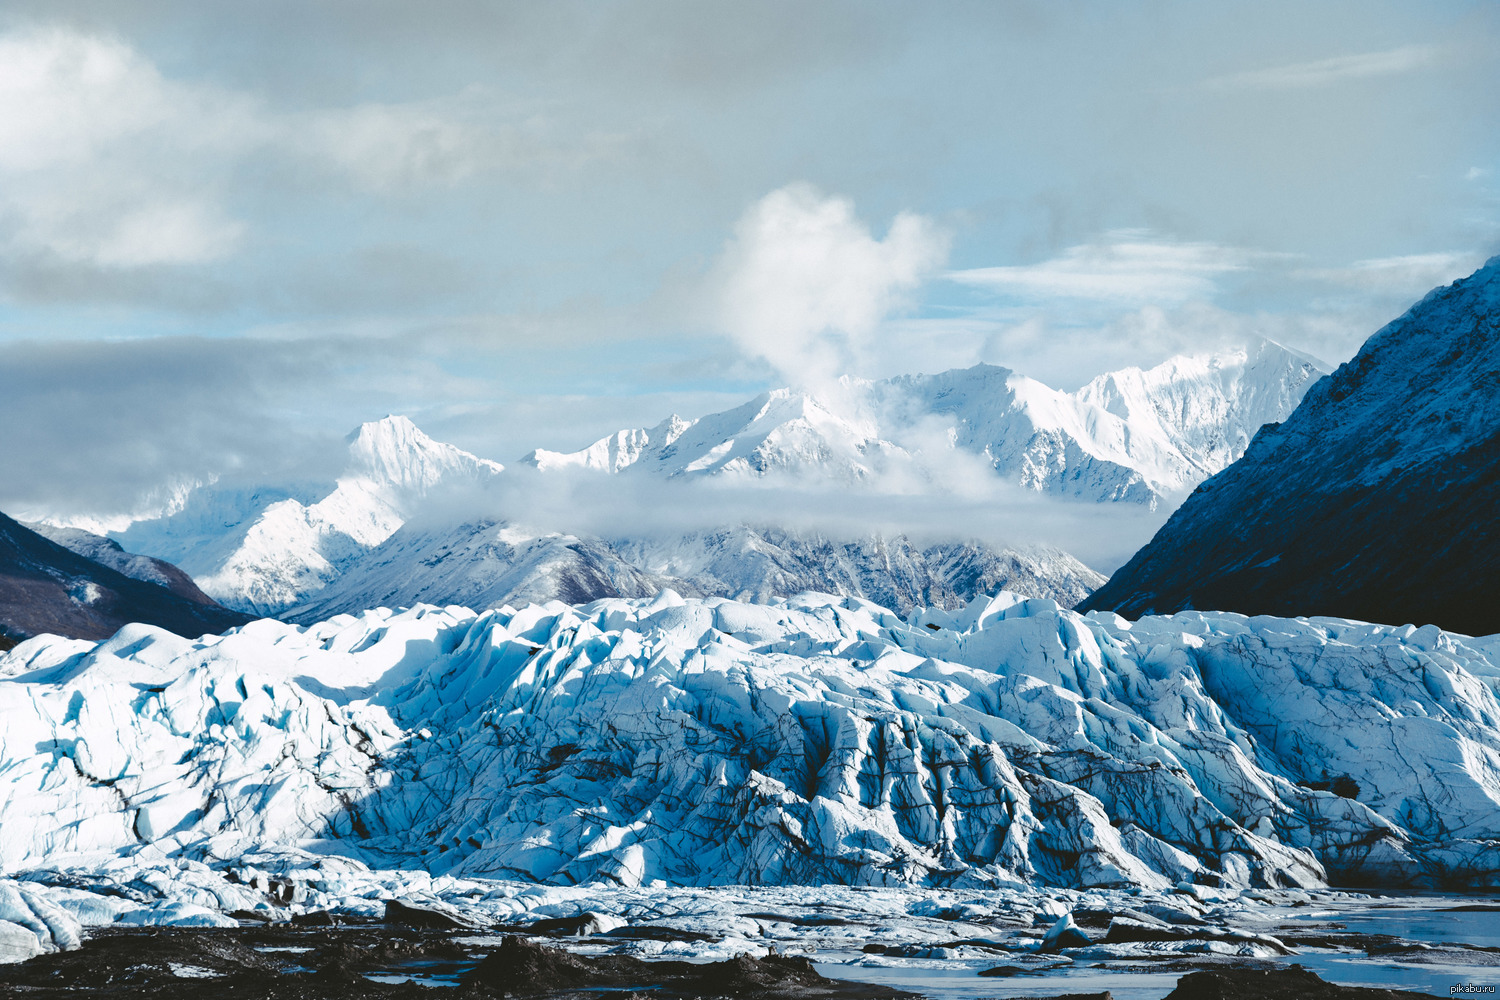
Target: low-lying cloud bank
986, 509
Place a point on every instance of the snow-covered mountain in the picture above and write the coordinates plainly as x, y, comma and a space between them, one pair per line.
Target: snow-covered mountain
322, 548
491, 564
1376, 498
263, 550
1134, 435
780, 431
816, 740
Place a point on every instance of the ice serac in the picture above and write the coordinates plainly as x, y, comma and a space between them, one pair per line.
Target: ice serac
1375, 499
489, 563
268, 549
1133, 435
811, 740
45, 587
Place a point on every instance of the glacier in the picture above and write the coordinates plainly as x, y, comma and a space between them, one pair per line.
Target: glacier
700, 742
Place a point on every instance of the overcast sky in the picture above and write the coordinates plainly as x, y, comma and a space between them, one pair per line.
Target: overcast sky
231, 232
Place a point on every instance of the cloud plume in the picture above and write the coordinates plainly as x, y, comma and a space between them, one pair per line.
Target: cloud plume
804, 284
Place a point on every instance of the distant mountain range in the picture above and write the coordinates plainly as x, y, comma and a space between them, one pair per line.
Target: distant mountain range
1136, 435
377, 532
1376, 499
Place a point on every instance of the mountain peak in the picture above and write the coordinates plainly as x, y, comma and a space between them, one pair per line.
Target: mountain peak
394, 451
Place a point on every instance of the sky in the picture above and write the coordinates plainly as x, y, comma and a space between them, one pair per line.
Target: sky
229, 233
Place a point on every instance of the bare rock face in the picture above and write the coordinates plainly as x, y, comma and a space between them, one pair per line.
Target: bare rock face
1374, 500
108, 552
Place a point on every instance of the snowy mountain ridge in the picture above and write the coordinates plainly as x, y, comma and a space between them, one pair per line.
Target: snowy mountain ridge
1134, 435
261, 550
1374, 498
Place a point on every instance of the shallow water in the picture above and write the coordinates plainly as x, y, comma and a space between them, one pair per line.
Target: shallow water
1480, 928
1401, 917
966, 984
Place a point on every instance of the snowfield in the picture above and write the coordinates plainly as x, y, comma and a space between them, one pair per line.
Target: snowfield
813, 740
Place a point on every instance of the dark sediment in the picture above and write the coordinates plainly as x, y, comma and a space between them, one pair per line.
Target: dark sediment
290, 962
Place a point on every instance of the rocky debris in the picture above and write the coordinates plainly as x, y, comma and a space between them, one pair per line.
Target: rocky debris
430, 915
583, 925
525, 968
287, 963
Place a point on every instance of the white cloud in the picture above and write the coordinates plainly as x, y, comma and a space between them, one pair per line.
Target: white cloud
1321, 72
804, 284
99, 155
112, 233
1127, 267
105, 161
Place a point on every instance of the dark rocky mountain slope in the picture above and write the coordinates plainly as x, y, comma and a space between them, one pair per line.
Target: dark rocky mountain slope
1376, 499
45, 587
108, 552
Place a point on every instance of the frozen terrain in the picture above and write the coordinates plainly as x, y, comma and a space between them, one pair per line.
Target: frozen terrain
372, 533
262, 550
909, 800
703, 742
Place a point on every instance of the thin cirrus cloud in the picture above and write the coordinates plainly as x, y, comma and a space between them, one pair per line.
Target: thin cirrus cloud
1407, 274
1127, 267
1322, 72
